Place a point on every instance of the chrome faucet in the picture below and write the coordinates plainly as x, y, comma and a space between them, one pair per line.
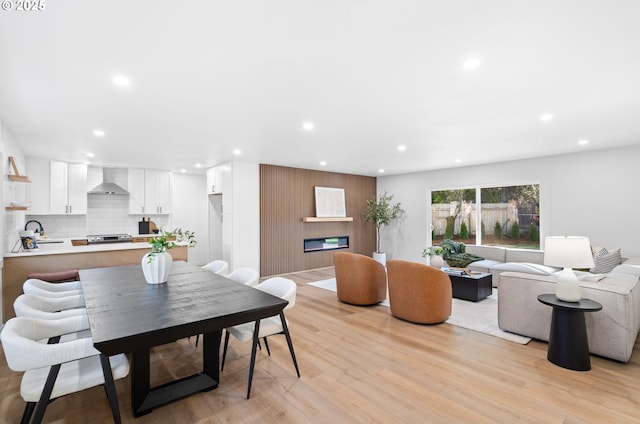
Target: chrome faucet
41, 230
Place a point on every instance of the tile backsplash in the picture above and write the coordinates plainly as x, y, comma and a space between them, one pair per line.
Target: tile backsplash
105, 215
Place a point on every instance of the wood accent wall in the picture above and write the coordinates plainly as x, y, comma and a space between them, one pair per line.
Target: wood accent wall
286, 196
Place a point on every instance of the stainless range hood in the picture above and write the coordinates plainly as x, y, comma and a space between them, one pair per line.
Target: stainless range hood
108, 185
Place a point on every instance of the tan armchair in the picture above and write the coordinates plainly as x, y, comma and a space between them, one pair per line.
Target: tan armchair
418, 293
360, 280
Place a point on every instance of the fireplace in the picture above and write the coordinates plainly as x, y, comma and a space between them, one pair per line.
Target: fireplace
327, 243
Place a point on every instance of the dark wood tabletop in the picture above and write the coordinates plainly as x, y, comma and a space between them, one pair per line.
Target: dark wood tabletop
128, 315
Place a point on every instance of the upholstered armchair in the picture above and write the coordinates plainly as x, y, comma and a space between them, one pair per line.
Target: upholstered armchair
360, 280
418, 293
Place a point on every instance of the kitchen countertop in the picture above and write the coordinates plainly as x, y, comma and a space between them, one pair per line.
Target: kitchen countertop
50, 247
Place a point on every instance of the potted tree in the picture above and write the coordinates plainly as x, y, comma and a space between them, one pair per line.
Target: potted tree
381, 212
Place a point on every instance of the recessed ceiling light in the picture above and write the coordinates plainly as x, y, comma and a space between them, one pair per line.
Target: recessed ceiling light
308, 126
583, 142
458, 160
323, 163
183, 171
121, 80
98, 133
90, 155
381, 171
237, 152
471, 64
197, 165
546, 117
402, 148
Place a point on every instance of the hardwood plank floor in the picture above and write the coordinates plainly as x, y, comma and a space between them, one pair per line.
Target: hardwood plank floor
359, 364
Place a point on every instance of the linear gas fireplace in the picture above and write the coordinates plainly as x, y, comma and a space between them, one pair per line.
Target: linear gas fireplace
328, 243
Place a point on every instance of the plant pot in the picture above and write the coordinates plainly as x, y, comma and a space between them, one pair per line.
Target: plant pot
156, 270
436, 261
380, 257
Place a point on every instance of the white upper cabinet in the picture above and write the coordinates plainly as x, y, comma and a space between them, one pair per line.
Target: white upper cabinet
57, 188
149, 191
215, 179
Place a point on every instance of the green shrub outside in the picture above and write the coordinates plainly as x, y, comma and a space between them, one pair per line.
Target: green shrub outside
464, 232
497, 231
448, 231
515, 231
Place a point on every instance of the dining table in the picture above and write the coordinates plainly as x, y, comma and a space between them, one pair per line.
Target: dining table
128, 315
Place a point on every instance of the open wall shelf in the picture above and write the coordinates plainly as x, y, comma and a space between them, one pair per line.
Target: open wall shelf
316, 219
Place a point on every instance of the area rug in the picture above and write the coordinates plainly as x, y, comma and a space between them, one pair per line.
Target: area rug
477, 316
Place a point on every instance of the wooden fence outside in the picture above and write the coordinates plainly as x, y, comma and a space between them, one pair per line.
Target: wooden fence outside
504, 213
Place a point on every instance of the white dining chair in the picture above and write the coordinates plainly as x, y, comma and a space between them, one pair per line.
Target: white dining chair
53, 367
245, 275
46, 289
32, 306
218, 266
277, 286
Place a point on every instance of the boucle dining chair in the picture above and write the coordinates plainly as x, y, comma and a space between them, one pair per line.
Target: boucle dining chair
46, 289
360, 280
245, 275
277, 286
418, 293
218, 266
32, 306
57, 368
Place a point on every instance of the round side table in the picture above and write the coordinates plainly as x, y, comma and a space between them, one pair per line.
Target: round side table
568, 344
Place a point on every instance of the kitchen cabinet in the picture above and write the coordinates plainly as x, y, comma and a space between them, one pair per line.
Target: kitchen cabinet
57, 188
149, 192
215, 180
220, 182
235, 215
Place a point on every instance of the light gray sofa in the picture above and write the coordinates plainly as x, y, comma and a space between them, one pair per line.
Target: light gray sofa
611, 332
500, 259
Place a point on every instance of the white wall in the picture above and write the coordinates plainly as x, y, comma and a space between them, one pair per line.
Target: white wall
9, 191
592, 194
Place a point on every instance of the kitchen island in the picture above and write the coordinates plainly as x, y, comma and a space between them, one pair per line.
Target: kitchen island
64, 255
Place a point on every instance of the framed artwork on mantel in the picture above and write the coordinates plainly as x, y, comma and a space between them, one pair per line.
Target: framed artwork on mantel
330, 202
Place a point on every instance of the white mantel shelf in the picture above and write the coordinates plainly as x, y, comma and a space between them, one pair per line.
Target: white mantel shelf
337, 219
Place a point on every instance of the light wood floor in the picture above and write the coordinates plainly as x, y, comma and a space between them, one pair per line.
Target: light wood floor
361, 365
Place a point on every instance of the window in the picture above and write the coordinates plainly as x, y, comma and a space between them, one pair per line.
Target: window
497, 216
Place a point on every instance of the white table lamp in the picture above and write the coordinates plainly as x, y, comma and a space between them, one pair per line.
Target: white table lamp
568, 253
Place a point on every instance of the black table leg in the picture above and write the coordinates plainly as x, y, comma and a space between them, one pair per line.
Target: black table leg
568, 344
140, 367
211, 355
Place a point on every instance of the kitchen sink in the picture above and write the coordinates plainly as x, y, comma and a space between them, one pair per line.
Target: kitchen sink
48, 241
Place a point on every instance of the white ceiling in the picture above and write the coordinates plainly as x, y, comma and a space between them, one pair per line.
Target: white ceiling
208, 77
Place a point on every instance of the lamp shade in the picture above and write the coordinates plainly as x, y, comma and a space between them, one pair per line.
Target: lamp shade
568, 252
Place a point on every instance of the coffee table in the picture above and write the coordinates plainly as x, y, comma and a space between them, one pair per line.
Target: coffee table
474, 287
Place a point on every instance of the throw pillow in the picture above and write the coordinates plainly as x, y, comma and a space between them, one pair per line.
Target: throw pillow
605, 261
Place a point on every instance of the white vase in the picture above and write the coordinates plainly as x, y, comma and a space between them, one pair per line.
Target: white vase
436, 261
157, 270
380, 257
